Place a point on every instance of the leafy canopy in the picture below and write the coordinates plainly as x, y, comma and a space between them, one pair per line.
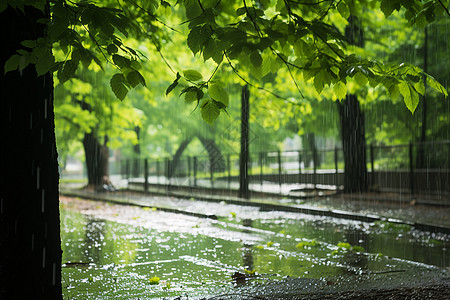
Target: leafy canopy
252, 37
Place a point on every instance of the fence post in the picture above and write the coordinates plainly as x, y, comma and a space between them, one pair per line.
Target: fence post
127, 169
336, 159
314, 153
279, 168
261, 168
411, 168
167, 170
372, 180
158, 171
299, 166
336, 167
195, 170
211, 170
146, 175
189, 170
229, 170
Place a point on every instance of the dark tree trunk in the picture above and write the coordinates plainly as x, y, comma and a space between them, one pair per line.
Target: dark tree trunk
244, 155
353, 126
94, 159
420, 163
353, 145
137, 153
96, 155
30, 246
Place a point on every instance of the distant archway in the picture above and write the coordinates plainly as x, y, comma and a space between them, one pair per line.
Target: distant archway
215, 155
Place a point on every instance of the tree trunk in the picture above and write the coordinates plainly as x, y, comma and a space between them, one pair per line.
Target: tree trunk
30, 246
353, 126
94, 159
96, 155
244, 191
420, 163
137, 153
353, 145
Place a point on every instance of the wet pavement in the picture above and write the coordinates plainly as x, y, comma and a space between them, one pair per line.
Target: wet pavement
224, 249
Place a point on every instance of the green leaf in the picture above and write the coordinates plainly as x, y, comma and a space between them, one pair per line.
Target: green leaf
264, 3
29, 43
319, 81
45, 62
134, 78
118, 86
111, 49
12, 63
433, 83
210, 112
241, 11
197, 38
218, 93
212, 51
410, 96
340, 89
343, 9
192, 75
388, 6
68, 70
256, 59
3, 5
190, 96
173, 85
121, 61
394, 92
360, 78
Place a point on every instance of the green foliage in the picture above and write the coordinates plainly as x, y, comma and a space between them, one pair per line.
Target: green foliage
154, 280
307, 244
391, 226
255, 39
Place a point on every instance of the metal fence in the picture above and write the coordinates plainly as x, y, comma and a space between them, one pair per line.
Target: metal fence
414, 167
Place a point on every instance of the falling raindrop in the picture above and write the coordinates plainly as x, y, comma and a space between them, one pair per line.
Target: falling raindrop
43, 201
37, 177
43, 258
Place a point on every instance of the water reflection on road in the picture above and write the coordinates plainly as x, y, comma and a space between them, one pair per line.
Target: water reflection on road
113, 250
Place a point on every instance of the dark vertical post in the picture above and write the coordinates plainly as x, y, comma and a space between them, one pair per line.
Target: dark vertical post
195, 170
146, 175
314, 167
336, 167
420, 159
158, 170
127, 169
211, 170
229, 170
299, 166
336, 159
411, 168
261, 168
189, 169
279, 168
167, 170
372, 180
244, 154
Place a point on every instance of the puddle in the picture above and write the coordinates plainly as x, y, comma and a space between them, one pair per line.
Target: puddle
116, 251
